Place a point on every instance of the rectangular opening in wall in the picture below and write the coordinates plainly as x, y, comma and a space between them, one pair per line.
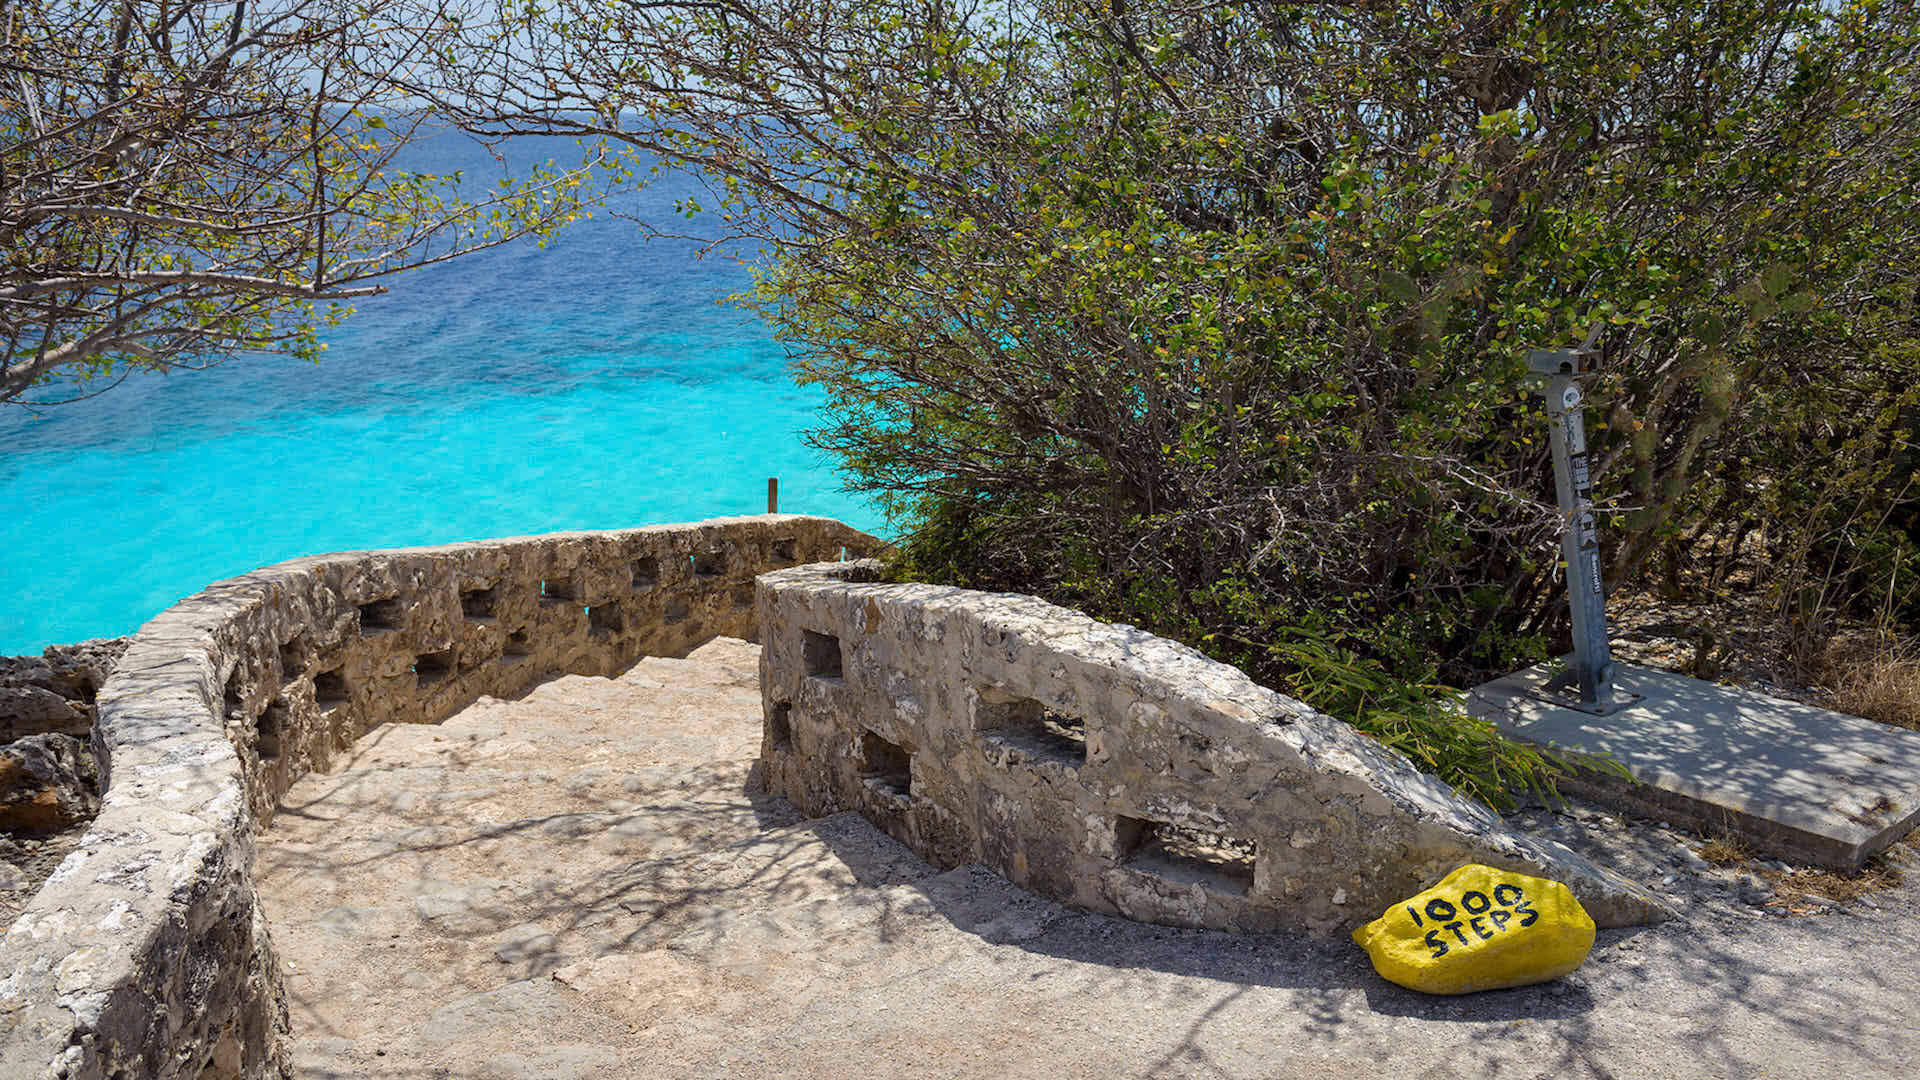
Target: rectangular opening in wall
707, 564
329, 689
786, 551
605, 621
677, 610
1030, 729
478, 604
383, 616
433, 667
821, 654
1186, 855
293, 658
558, 590
519, 646
885, 767
780, 725
268, 730
646, 573
235, 704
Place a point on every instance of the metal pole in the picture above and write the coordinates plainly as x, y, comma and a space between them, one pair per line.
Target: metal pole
1592, 672
773, 494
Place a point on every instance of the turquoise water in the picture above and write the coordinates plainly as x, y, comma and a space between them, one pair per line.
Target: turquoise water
593, 384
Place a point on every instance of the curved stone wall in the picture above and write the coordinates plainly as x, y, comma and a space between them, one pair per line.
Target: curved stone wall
1106, 767
145, 954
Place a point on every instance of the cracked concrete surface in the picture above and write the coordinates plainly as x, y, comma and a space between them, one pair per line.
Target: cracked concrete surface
586, 881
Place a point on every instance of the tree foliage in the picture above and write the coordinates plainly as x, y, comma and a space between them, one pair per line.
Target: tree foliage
1212, 315
181, 180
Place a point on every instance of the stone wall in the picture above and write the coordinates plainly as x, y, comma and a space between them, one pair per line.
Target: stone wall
1108, 768
145, 954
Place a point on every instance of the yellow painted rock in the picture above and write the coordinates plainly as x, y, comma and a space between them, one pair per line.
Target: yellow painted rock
1479, 929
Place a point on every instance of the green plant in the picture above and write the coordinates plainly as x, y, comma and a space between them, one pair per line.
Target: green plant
1213, 317
183, 182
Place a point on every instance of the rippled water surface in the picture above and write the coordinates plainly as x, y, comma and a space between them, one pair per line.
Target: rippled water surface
593, 384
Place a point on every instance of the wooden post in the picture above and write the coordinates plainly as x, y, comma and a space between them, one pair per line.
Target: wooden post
773, 494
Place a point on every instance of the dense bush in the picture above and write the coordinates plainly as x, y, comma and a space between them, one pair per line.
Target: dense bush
1212, 317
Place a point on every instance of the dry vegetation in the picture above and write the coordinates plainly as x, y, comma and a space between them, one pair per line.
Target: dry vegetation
1797, 887
1877, 677
1725, 850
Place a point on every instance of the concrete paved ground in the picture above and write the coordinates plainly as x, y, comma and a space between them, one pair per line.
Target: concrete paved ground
583, 883
1802, 782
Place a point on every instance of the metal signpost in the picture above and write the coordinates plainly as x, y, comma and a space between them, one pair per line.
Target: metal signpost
1590, 675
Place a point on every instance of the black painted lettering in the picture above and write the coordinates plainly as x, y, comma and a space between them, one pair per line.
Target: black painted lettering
1416, 917
1528, 916
1508, 894
1478, 922
1454, 928
1438, 946
1499, 917
1439, 910
1467, 902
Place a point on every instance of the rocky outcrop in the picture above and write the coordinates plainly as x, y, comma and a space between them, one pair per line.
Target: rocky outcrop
47, 782
31, 710
55, 691
1106, 767
49, 774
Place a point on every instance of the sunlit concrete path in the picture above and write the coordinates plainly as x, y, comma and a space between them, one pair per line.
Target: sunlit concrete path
584, 882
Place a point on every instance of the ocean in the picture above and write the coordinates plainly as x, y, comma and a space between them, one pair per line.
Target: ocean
601, 382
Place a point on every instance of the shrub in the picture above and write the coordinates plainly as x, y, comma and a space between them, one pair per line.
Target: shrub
1213, 317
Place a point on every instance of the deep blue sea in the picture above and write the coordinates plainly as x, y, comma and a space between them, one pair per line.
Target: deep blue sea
596, 383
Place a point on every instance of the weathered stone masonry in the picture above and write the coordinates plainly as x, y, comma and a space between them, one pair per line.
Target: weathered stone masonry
1106, 767
1093, 763
145, 955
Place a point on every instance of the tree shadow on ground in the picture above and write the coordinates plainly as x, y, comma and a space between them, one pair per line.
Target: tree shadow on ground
708, 864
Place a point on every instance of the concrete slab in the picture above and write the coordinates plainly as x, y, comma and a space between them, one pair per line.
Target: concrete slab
1798, 782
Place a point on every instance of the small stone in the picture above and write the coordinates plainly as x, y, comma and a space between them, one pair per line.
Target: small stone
1339, 896
1753, 891
11, 877
1690, 860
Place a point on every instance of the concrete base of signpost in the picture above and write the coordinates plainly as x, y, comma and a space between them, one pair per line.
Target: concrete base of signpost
1791, 780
